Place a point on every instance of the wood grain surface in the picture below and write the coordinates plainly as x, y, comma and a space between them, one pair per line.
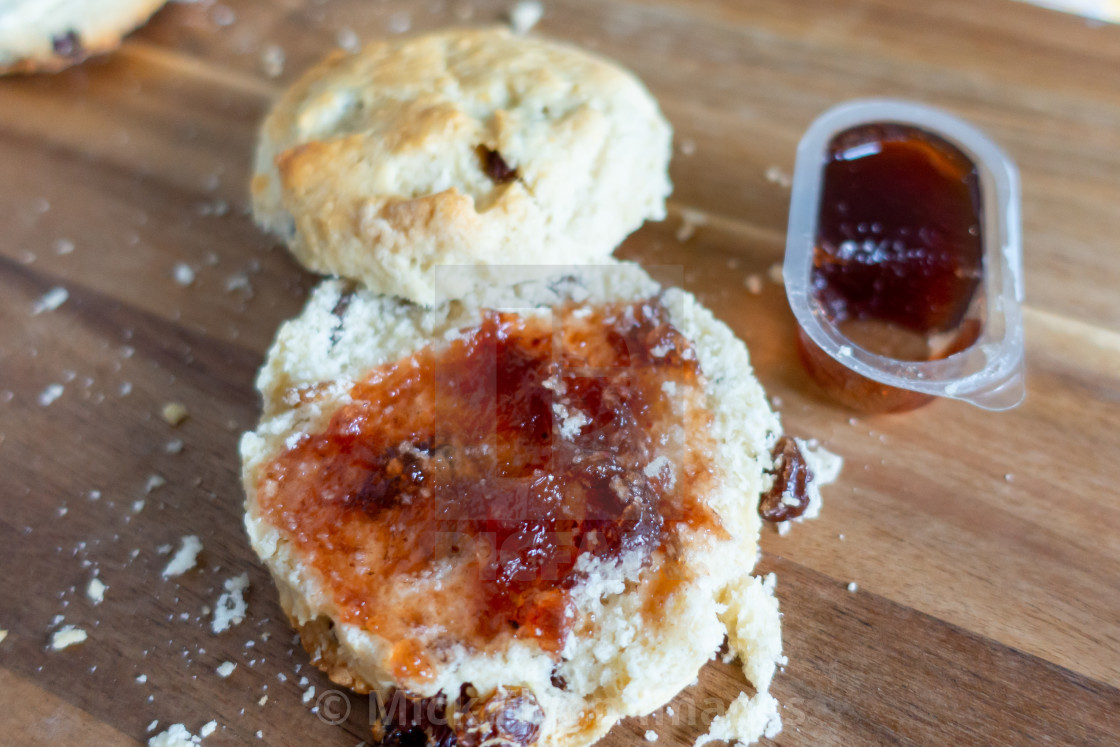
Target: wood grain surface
986, 547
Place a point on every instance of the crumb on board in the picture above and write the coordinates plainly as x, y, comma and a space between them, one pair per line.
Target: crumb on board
67, 636
753, 284
400, 23
348, 40
50, 394
230, 608
524, 15
183, 274
272, 60
3, 635
185, 558
96, 590
239, 281
51, 300
690, 220
776, 175
175, 735
853, 586
225, 669
174, 413
223, 15
747, 719
774, 272
651, 735
216, 208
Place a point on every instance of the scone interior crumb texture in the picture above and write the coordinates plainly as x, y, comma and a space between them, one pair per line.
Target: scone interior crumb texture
632, 641
37, 35
467, 146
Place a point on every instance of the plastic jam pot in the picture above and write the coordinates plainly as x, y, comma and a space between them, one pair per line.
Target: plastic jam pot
903, 259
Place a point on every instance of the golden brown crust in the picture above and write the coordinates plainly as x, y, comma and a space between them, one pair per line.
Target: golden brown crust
318, 639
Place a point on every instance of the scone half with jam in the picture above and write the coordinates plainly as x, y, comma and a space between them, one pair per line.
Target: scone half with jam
533, 508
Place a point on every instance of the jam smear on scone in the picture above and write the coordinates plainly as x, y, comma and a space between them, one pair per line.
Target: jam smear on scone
494, 463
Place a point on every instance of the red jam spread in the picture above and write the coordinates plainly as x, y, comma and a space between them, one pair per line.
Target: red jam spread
459, 486
898, 259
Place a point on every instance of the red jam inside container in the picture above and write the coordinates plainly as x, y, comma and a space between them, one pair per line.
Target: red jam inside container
897, 269
898, 258
899, 234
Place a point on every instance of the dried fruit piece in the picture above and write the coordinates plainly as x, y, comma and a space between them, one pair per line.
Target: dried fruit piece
420, 722
788, 497
67, 45
558, 680
339, 311
511, 717
495, 166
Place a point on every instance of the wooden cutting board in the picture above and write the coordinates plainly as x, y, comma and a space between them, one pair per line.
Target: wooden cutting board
985, 547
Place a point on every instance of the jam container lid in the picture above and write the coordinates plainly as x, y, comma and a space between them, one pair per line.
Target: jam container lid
988, 373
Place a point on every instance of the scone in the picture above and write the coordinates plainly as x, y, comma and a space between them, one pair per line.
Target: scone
535, 506
469, 146
36, 35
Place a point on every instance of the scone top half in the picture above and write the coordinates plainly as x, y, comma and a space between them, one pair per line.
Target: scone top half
541, 494
463, 147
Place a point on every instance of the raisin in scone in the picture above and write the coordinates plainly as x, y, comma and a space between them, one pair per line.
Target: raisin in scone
48, 35
468, 146
536, 506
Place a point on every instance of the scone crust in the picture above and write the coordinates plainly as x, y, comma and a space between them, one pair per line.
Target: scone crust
618, 661
371, 166
28, 29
